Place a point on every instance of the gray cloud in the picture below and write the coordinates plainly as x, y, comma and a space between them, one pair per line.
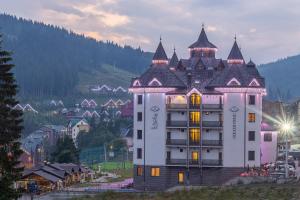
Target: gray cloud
266, 30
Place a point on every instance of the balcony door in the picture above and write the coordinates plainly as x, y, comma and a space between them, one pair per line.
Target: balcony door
168, 155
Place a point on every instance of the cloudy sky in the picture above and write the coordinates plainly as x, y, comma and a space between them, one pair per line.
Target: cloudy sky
266, 29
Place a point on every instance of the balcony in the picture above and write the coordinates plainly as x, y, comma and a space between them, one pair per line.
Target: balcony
176, 161
194, 124
194, 106
204, 163
212, 124
212, 142
176, 124
194, 143
211, 163
212, 107
178, 142
176, 106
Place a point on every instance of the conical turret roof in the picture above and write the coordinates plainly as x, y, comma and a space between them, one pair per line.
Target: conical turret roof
174, 60
160, 53
202, 41
235, 53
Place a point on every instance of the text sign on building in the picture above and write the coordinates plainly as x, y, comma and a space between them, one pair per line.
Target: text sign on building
234, 110
155, 110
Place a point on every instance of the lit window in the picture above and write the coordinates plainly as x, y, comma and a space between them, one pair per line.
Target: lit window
251, 99
139, 171
251, 155
195, 99
268, 137
195, 156
251, 117
155, 171
180, 177
195, 134
195, 117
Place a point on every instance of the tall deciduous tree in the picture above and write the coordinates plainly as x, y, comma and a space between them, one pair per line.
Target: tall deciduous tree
10, 129
65, 151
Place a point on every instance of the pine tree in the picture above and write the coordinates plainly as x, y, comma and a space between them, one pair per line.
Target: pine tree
10, 129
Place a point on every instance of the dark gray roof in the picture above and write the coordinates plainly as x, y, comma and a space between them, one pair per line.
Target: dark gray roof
174, 60
163, 74
160, 53
235, 53
251, 63
202, 41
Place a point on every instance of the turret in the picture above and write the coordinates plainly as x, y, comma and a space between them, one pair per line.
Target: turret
160, 56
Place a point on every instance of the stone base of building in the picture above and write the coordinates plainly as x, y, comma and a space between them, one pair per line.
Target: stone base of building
192, 177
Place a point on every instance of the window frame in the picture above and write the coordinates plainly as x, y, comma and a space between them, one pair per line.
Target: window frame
139, 153
139, 116
252, 100
251, 117
139, 171
250, 156
180, 181
140, 99
266, 139
155, 171
250, 139
139, 134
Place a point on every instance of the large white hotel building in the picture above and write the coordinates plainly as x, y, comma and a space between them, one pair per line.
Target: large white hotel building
197, 121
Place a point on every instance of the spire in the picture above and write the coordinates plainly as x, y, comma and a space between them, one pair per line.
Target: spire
235, 55
160, 55
202, 41
174, 60
251, 63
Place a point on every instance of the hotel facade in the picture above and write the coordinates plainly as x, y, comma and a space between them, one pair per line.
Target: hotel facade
197, 121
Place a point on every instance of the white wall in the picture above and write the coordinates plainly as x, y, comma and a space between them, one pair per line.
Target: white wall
211, 99
268, 149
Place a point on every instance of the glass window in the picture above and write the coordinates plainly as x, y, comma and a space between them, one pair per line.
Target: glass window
139, 171
251, 135
195, 135
140, 99
180, 177
139, 153
251, 117
268, 137
155, 171
195, 155
251, 155
195, 117
139, 116
195, 99
139, 134
251, 99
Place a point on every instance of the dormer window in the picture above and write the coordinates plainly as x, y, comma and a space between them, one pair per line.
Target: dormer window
233, 82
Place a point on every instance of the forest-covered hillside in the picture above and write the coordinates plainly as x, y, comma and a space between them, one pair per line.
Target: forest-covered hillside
282, 78
50, 60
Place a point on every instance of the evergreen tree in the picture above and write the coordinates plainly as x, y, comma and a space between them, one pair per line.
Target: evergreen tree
65, 151
10, 129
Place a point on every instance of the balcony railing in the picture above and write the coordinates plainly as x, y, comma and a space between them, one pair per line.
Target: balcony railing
217, 124
177, 106
176, 142
176, 161
212, 142
204, 163
171, 123
194, 124
211, 107
194, 143
194, 106
210, 162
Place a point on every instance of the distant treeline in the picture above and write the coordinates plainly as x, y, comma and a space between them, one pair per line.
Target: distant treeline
48, 58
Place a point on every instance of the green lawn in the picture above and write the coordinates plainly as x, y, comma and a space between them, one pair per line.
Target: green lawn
249, 192
112, 166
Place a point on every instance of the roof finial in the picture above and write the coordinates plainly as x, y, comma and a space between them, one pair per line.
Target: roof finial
160, 38
234, 37
203, 25
174, 49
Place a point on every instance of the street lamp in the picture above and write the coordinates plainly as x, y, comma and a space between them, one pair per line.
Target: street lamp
286, 127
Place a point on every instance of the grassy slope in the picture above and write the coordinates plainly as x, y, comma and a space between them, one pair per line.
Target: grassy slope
250, 192
107, 74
